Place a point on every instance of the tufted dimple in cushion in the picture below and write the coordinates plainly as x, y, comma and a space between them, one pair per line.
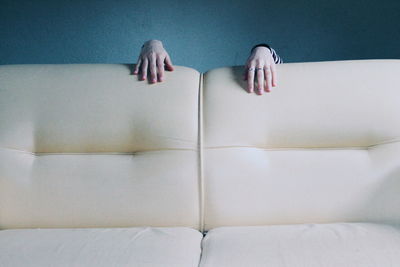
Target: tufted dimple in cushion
119, 247
308, 245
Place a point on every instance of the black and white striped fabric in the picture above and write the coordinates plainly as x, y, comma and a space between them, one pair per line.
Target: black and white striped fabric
276, 57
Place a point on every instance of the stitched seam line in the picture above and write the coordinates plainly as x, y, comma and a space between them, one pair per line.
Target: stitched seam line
201, 162
310, 148
93, 153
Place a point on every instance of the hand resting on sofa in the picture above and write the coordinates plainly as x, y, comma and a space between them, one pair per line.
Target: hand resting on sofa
260, 67
260, 71
153, 57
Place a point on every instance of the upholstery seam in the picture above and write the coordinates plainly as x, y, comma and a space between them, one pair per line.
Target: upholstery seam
93, 153
310, 148
289, 148
200, 154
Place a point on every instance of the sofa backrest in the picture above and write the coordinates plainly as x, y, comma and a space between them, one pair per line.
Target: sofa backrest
323, 146
91, 146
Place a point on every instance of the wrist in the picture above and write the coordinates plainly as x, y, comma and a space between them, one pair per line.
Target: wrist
261, 45
261, 49
152, 43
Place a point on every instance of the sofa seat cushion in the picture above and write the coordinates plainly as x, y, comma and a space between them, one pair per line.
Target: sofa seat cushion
100, 247
306, 245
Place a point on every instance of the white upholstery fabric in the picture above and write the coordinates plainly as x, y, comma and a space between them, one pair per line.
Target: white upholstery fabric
140, 247
157, 188
316, 105
251, 186
91, 146
322, 147
310, 245
83, 108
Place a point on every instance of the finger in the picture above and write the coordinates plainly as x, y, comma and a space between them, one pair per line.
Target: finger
168, 63
274, 75
153, 68
144, 69
268, 79
136, 70
260, 80
160, 68
250, 80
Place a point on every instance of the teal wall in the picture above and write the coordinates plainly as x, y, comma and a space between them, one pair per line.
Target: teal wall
199, 34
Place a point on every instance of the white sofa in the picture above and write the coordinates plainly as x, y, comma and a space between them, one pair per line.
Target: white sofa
100, 169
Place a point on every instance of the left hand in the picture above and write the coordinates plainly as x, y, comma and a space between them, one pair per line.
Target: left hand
260, 66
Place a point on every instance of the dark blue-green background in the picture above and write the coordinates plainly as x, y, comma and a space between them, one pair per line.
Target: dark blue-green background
199, 34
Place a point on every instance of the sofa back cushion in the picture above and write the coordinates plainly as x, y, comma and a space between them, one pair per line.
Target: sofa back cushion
91, 146
323, 146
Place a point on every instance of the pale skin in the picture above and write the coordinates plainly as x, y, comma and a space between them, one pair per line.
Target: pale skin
260, 70
260, 67
153, 59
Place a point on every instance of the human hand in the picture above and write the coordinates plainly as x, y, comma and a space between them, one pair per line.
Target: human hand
261, 65
153, 57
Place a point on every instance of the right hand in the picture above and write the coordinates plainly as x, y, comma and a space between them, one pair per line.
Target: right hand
153, 58
261, 66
